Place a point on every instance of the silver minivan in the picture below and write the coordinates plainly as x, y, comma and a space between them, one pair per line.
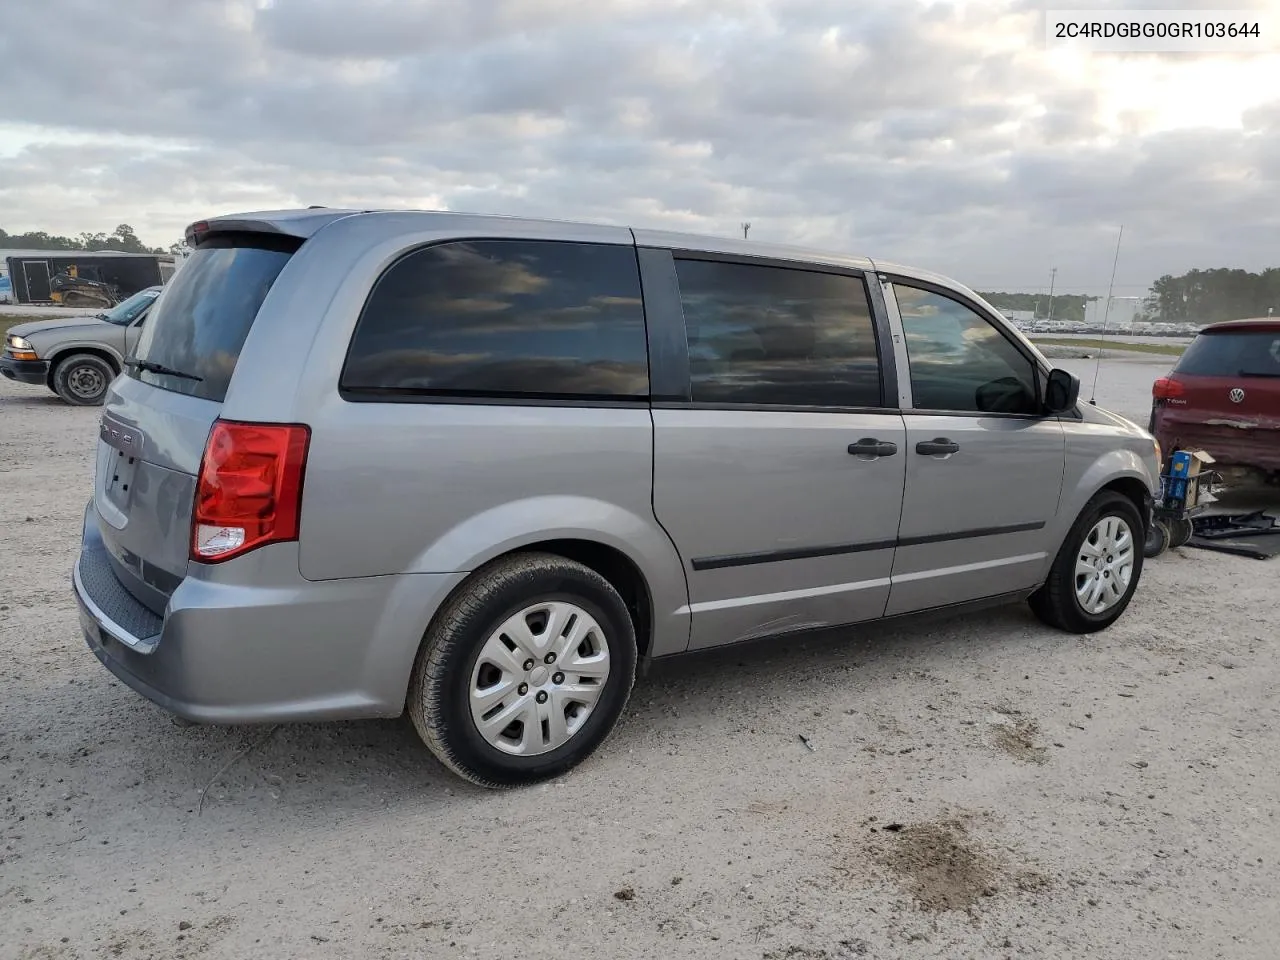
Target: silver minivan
480, 468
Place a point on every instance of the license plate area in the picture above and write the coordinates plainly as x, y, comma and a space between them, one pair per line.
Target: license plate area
118, 479
121, 463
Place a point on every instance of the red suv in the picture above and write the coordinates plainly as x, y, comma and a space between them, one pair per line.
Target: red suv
1224, 396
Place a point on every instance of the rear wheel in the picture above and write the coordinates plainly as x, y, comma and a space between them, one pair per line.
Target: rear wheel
1181, 531
1097, 569
82, 379
524, 672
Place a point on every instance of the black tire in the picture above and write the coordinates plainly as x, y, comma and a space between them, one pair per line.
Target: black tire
1158, 540
82, 379
1180, 532
1056, 602
439, 691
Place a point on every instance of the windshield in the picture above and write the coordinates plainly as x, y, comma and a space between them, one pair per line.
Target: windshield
127, 311
1233, 353
198, 328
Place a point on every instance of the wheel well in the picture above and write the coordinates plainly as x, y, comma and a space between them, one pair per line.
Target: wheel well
616, 567
56, 360
1134, 490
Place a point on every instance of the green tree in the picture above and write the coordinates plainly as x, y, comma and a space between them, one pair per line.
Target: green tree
1208, 296
124, 238
36, 240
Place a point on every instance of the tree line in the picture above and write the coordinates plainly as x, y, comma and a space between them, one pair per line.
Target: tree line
1195, 297
1208, 296
123, 239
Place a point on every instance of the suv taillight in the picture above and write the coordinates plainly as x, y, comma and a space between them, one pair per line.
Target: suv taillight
1167, 387
249, 492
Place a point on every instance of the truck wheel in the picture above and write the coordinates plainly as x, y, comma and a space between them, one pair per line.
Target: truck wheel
1097, 568
82, 379
524, 671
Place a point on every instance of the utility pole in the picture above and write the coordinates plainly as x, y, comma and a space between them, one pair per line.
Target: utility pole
1102, 344
1053, 279
746, 227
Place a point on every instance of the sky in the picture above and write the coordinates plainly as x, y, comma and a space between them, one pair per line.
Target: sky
944, 135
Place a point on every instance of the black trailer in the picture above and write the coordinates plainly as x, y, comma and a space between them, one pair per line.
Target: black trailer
126, 274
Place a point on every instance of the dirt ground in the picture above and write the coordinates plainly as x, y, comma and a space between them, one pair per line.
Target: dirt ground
973, 787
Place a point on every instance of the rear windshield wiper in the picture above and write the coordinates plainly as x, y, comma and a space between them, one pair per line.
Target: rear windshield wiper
135, 364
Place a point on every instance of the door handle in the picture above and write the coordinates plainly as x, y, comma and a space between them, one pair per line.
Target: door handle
939, 446
870, 447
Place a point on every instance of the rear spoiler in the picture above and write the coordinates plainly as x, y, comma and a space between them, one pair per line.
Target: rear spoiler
300, 224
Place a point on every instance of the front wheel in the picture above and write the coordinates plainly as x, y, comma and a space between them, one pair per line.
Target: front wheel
1097, 569
82, 379
524, 671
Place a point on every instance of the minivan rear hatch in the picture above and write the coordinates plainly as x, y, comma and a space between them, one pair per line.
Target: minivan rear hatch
158, 415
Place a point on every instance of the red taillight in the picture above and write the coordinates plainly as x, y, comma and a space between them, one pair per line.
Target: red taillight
1166, 387
249, 492
197, 232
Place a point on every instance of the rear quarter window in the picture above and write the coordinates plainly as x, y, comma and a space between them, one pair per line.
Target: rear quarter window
199, 324
1233, 353
503, 319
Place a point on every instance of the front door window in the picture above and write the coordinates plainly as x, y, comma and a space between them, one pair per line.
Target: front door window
959, 361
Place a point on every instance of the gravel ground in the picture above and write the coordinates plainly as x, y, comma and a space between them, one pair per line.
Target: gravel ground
971, 787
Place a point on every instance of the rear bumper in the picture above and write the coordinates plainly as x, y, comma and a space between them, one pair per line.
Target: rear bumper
275, 648
1257, 447
35, 372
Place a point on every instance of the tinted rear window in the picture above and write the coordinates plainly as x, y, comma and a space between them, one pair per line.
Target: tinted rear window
503, 319
203, 317
1233, 354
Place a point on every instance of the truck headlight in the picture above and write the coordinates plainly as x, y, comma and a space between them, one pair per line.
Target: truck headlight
19, 348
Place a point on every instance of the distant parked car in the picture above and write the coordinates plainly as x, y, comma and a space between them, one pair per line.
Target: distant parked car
1223, 396
77, 357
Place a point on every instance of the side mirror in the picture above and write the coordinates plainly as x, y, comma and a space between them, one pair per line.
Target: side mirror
1061, 391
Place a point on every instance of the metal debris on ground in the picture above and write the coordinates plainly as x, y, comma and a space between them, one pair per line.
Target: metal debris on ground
1255, 535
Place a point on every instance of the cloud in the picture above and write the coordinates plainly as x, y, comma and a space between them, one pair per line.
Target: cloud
940, 134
